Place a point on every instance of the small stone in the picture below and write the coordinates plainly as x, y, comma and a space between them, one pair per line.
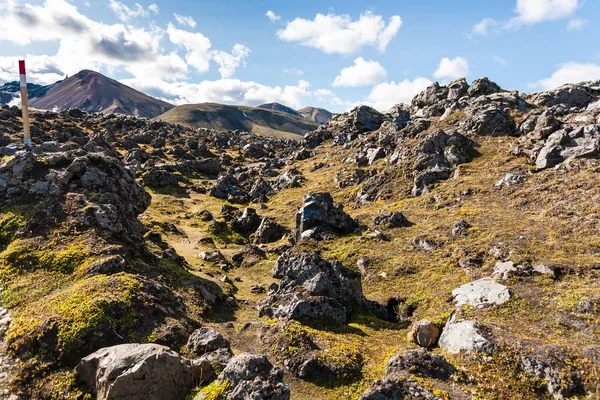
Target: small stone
424, 333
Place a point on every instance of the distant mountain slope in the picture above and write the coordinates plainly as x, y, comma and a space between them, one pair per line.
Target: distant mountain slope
94, 92
318, 115
250, 119
280, 107
11, 90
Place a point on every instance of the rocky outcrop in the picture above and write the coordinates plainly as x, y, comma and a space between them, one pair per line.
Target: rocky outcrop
136, 371
435, 157
319, 218
313, 289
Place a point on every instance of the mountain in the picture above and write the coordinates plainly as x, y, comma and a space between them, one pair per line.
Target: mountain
10, 90
318, 115
280, 107
94, 92
261, 121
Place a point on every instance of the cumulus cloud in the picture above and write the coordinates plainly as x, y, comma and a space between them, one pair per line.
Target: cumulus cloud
228, 91
571, 72
272, 16
85, 43
340, 34
530, 12
457, 67
576, 24
229, 62
196, 45
40, 69
385, 95
124, 13
184, 20
362, 73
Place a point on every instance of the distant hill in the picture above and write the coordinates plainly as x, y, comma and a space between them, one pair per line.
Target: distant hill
318, 115
11, 90
93, 92
280, 107
257, 120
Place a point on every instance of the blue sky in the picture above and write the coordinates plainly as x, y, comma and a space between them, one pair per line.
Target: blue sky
331, 54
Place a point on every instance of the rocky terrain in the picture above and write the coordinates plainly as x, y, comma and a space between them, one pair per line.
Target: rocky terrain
445, 249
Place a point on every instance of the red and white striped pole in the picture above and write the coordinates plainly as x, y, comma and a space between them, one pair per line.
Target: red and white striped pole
24, 105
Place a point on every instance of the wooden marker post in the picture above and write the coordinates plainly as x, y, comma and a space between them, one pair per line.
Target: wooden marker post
24, 105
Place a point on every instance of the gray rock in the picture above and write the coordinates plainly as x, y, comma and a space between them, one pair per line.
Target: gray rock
465, 335
392, 219
488, 120
421, 362
206, 340
319, 211
136, 371
480, 293
510, 180
567, 144
552, 365
390, 389
269, 231
312, 288
254, 377
483, 86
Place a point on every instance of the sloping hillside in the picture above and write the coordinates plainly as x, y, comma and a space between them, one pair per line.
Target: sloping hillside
93, 92
249, 119
280, 107
318, 115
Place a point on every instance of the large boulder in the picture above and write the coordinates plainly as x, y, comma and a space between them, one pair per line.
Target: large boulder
313, 289
488, 120
483, 86
320, 216
269, 231
481, 293
206, 340
465, 335
136, 371
569, 95
567, 144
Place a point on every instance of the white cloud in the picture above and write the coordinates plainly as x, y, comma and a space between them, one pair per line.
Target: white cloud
272, 16
535, 11
183, 20
387, 94
293, 71
85, 43
40, 69
571, 72
227, 91
362, 73
228, 63
576, 24
124, 13
484, 26
339, 34
196, 44
500, 60
530, 12
328, 96
457, 67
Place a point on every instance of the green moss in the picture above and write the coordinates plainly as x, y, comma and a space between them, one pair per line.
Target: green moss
22, 255
86, 308
214, 391
9, 224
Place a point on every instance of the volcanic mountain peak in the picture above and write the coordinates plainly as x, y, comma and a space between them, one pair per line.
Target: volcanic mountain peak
94, 92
